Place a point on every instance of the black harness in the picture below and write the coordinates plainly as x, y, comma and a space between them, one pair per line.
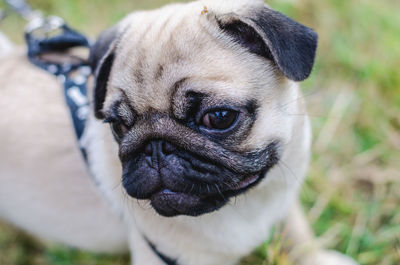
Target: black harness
72, 75
50, 35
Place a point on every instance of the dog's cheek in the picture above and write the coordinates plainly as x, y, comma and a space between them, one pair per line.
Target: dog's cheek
272, 124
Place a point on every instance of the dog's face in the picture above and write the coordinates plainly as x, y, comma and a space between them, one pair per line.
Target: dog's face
194, 97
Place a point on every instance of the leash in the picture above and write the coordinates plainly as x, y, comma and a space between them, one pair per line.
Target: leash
2, 15
23, 9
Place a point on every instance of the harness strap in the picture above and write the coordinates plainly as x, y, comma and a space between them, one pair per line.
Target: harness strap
167, 260
72, 73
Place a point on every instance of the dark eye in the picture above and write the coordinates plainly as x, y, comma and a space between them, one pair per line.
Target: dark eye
118, 129
219, 119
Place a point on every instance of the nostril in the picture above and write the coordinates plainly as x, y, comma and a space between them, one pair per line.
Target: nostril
148, 149
167, 148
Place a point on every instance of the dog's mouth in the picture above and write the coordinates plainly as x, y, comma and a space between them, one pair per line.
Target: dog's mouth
171, 203
185, 183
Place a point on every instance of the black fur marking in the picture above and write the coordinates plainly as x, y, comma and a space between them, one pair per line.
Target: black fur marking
193, 107
247, 37
252, 107
101, 85
102, 66
268, 33
100, 48
159, 72
293, 45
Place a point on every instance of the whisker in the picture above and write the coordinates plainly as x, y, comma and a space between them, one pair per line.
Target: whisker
117, 185
303, 96
283, 174
307, 114
191, 189
296, 178
219, 191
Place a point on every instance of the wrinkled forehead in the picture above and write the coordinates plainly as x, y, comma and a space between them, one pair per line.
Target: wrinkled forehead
161, 49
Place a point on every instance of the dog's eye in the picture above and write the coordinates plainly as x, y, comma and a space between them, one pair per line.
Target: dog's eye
219, 119
118, 129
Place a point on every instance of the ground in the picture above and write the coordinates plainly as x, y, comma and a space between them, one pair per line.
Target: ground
352, 193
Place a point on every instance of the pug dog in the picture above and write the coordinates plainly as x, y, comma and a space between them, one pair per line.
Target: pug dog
194, 147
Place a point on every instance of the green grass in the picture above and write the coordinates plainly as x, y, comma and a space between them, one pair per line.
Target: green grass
352, 194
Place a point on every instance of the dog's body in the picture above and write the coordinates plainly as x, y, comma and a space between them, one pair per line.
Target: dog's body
45, 186
5, 45
184, 56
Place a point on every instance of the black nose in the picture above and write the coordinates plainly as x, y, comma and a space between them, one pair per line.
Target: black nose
157, 149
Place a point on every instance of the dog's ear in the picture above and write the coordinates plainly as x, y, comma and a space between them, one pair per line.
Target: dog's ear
101, 59
268, 33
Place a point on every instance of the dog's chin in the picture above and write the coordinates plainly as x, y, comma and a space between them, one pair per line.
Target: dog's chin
170, 203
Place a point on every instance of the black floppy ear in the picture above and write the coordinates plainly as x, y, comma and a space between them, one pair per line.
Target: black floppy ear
268, 33
101, 60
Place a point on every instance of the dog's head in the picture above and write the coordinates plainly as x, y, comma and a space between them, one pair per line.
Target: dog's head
193, 93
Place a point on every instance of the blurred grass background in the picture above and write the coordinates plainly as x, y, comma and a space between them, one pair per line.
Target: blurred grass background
352, 193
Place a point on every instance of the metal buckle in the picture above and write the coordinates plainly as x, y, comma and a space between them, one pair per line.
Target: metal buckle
38, 25
43, 27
